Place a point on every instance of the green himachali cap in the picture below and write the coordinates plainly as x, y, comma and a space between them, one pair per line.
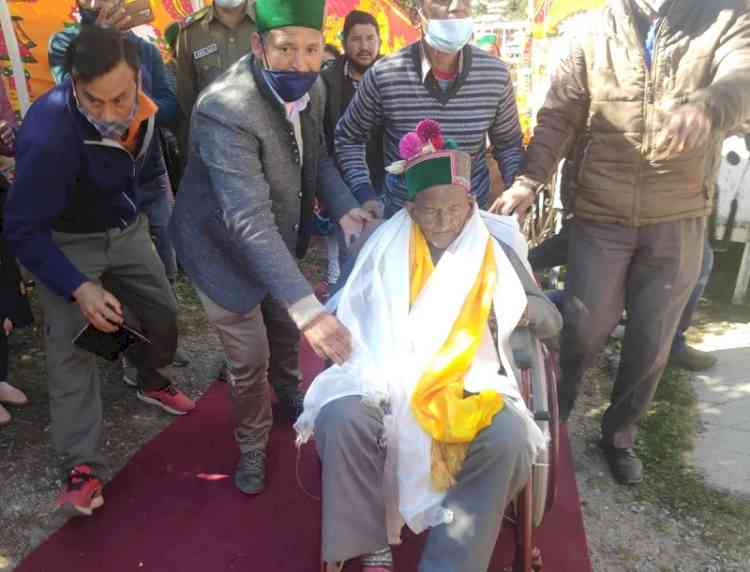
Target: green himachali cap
272, 14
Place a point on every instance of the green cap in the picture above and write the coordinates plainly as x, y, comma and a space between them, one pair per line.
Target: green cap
487, 40
272, 14
444, 167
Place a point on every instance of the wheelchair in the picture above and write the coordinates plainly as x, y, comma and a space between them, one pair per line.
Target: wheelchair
537, 372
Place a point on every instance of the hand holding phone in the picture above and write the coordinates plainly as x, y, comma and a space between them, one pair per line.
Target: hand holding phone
100, 308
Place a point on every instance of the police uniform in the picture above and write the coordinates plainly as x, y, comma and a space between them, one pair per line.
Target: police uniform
206, 48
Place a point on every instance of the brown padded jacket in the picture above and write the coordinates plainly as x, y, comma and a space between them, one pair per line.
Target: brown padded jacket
605, 93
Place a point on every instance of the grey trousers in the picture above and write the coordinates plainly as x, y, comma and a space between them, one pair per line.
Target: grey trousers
650, 272
348, 435
261, 346
126, 264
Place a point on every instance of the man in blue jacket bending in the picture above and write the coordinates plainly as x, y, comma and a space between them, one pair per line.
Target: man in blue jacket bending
71, 219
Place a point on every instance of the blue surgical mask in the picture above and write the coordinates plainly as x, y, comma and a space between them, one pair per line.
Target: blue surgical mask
449, 36
290, 85
88, 16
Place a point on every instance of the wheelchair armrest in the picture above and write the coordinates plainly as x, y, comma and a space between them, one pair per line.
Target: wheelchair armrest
522, 359
522, 340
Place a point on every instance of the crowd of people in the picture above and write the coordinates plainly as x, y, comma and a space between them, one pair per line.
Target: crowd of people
233, 156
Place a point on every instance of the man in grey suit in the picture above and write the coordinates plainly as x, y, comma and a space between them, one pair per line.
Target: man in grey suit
256, 161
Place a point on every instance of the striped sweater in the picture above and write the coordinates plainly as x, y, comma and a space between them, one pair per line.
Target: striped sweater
480, 104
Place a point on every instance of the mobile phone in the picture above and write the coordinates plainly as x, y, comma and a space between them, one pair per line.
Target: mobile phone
108, 345
140, 11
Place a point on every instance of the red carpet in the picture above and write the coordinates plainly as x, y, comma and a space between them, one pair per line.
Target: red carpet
174, 508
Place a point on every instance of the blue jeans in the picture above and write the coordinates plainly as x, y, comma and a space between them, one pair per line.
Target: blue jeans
156, 201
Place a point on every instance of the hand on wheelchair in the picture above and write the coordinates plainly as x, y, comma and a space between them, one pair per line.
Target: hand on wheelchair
329, 338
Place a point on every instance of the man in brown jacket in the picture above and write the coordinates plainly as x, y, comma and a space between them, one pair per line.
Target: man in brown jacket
652, 88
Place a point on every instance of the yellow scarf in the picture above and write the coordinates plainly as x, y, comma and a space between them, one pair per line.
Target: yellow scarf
438, 403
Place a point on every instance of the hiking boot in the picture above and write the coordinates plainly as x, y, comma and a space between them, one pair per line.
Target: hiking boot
181, 359
169, 398
624, 464
11, 395
250, 476
82, 493
5, 417
692, 359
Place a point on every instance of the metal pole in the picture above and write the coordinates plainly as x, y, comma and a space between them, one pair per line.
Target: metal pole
19, 73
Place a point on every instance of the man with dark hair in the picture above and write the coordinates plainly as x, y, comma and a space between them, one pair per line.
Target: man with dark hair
330, 54
155, 192
442, 77
71, 219
257, 162
361, 37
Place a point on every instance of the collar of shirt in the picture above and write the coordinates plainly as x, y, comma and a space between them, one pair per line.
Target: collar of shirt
427, 66
294, 108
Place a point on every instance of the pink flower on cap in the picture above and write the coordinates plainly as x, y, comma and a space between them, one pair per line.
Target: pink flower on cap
410, 146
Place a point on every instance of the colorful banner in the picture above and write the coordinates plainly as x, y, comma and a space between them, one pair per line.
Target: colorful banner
35, 21
549, 13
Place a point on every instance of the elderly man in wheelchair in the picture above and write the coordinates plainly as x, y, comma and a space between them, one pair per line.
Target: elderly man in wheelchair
425, 425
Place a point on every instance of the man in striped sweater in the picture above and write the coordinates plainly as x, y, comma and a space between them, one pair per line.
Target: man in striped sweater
466, 90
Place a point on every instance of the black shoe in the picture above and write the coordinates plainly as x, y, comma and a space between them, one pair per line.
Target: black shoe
624, 464
250, 476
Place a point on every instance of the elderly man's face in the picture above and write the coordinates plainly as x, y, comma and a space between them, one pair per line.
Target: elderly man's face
293, 48
441, 212
446, 9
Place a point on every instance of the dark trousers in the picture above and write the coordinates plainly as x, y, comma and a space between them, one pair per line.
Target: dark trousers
553, 252
650, 272
126, 264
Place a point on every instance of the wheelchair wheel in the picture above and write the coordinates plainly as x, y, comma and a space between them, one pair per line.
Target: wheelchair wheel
553, 375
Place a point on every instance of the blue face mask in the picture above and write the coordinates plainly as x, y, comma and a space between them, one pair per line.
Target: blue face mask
88, 17
449, 36
290, 85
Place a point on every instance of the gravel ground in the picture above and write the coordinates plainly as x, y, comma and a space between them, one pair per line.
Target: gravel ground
625, 534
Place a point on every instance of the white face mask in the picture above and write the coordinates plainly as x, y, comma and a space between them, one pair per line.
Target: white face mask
229, 4
448, 36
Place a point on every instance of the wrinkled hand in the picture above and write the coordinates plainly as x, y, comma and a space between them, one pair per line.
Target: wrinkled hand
329, 338
516, 200
7, 326
375, 208
353, 223
688, 128
100, 308
7, 133
113, 15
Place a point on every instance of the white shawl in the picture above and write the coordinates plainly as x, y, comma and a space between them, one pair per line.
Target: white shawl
393, 344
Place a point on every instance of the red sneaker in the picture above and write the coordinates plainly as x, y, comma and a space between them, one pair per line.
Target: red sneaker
169, 398
82, 493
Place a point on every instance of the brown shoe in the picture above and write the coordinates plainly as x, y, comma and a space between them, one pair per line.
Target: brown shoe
692, 359
12, 396
4, 416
